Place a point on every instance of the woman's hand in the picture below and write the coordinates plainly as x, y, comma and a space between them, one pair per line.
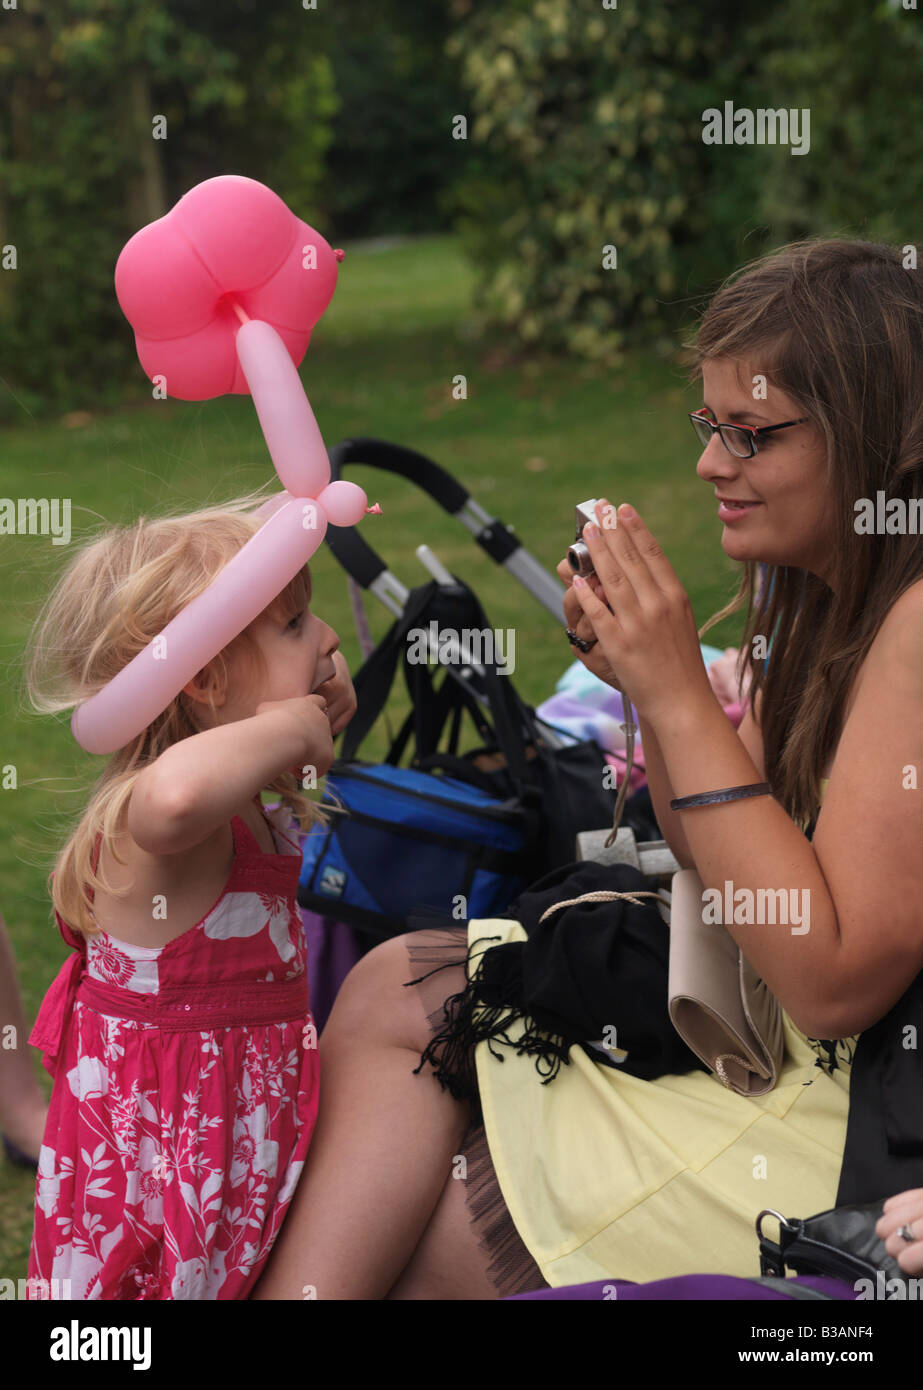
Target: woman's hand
340, 696
641, 615
594, 660
905, 1209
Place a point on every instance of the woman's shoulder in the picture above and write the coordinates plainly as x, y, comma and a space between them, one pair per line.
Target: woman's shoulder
898, 643
909, 607
889, 682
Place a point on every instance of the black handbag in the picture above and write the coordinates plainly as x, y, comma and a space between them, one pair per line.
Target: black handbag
840, 1244
560, 790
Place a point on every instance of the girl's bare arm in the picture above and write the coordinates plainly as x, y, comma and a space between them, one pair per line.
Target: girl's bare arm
202, 781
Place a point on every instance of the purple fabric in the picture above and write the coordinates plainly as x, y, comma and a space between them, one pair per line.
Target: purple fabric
584, 707
687, 1287
333, 950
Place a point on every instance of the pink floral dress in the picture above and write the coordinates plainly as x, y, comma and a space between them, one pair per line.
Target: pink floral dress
186, 1085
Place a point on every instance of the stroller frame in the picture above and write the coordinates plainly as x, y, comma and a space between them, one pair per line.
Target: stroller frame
366, 570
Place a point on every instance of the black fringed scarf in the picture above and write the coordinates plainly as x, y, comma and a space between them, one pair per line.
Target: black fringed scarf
587, 968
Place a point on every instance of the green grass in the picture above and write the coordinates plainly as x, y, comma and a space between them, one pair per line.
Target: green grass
531, 440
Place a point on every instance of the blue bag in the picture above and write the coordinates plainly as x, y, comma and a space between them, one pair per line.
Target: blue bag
412, 843
448, 837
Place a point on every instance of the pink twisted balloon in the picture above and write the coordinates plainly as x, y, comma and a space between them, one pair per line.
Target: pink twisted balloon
222, 294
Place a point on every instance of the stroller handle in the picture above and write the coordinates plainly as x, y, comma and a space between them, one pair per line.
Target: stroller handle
365, 565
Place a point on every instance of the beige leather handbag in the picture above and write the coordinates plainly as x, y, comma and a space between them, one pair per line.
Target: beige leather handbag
718, 1003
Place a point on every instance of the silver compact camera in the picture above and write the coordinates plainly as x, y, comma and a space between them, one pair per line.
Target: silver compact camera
578, 556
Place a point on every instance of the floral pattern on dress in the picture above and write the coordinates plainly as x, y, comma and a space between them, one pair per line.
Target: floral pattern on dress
249, 913
170, 1157
133, 967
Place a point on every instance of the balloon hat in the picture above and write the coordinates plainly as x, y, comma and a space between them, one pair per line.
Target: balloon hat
222, 294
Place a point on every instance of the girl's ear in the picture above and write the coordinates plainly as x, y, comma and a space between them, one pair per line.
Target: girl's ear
207, 686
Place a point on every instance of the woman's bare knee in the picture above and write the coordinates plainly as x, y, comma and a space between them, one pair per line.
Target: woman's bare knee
373, 1000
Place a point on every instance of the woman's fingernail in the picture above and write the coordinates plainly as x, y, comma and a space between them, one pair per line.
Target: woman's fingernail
591, 530
578, 582
627, 512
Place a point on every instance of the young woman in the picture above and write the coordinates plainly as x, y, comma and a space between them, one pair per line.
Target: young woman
811, 363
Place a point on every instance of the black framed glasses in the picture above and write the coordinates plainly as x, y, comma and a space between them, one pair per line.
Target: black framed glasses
739, 440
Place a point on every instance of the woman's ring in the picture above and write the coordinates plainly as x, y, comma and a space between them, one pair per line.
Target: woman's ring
905, 1233
580, 642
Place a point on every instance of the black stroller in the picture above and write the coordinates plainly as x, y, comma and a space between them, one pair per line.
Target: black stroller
479, 826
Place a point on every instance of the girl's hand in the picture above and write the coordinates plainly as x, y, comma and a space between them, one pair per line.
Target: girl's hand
905, 1209
308, 715
340, 696
642, 617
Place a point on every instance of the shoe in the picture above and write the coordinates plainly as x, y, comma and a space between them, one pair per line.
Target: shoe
17, 1157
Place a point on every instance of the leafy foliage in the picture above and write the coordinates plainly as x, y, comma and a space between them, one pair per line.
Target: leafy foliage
585, 126
81, 169
584, 133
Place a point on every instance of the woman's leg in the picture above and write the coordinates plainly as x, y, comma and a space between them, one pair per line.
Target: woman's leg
449, 1262
381, 1155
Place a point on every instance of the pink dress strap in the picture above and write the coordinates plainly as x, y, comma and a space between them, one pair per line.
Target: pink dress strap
275, 830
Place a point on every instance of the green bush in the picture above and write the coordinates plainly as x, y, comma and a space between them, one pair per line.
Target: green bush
859, 68
585, 131
81, 171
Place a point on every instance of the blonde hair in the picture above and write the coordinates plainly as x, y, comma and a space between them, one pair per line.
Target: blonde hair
117, 593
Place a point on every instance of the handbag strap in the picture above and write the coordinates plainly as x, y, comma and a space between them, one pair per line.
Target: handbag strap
600, 895
375, 677
444, 706
753, 1064
791, 1288
514, 723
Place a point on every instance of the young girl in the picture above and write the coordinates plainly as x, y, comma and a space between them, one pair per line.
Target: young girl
178, 1034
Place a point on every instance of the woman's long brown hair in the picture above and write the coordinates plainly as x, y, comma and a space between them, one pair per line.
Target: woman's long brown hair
838, 326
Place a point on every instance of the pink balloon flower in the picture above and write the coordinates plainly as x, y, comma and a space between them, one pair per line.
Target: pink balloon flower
222, 293
229, 239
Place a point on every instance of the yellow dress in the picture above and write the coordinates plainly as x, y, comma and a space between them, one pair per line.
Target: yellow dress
607, 1176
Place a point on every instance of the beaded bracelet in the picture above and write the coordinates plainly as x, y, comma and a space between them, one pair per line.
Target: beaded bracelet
682, 803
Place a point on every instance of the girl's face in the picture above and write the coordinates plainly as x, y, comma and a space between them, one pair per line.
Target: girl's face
791, 524
298, 653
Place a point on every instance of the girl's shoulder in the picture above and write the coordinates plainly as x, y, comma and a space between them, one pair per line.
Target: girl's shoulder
188, 883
